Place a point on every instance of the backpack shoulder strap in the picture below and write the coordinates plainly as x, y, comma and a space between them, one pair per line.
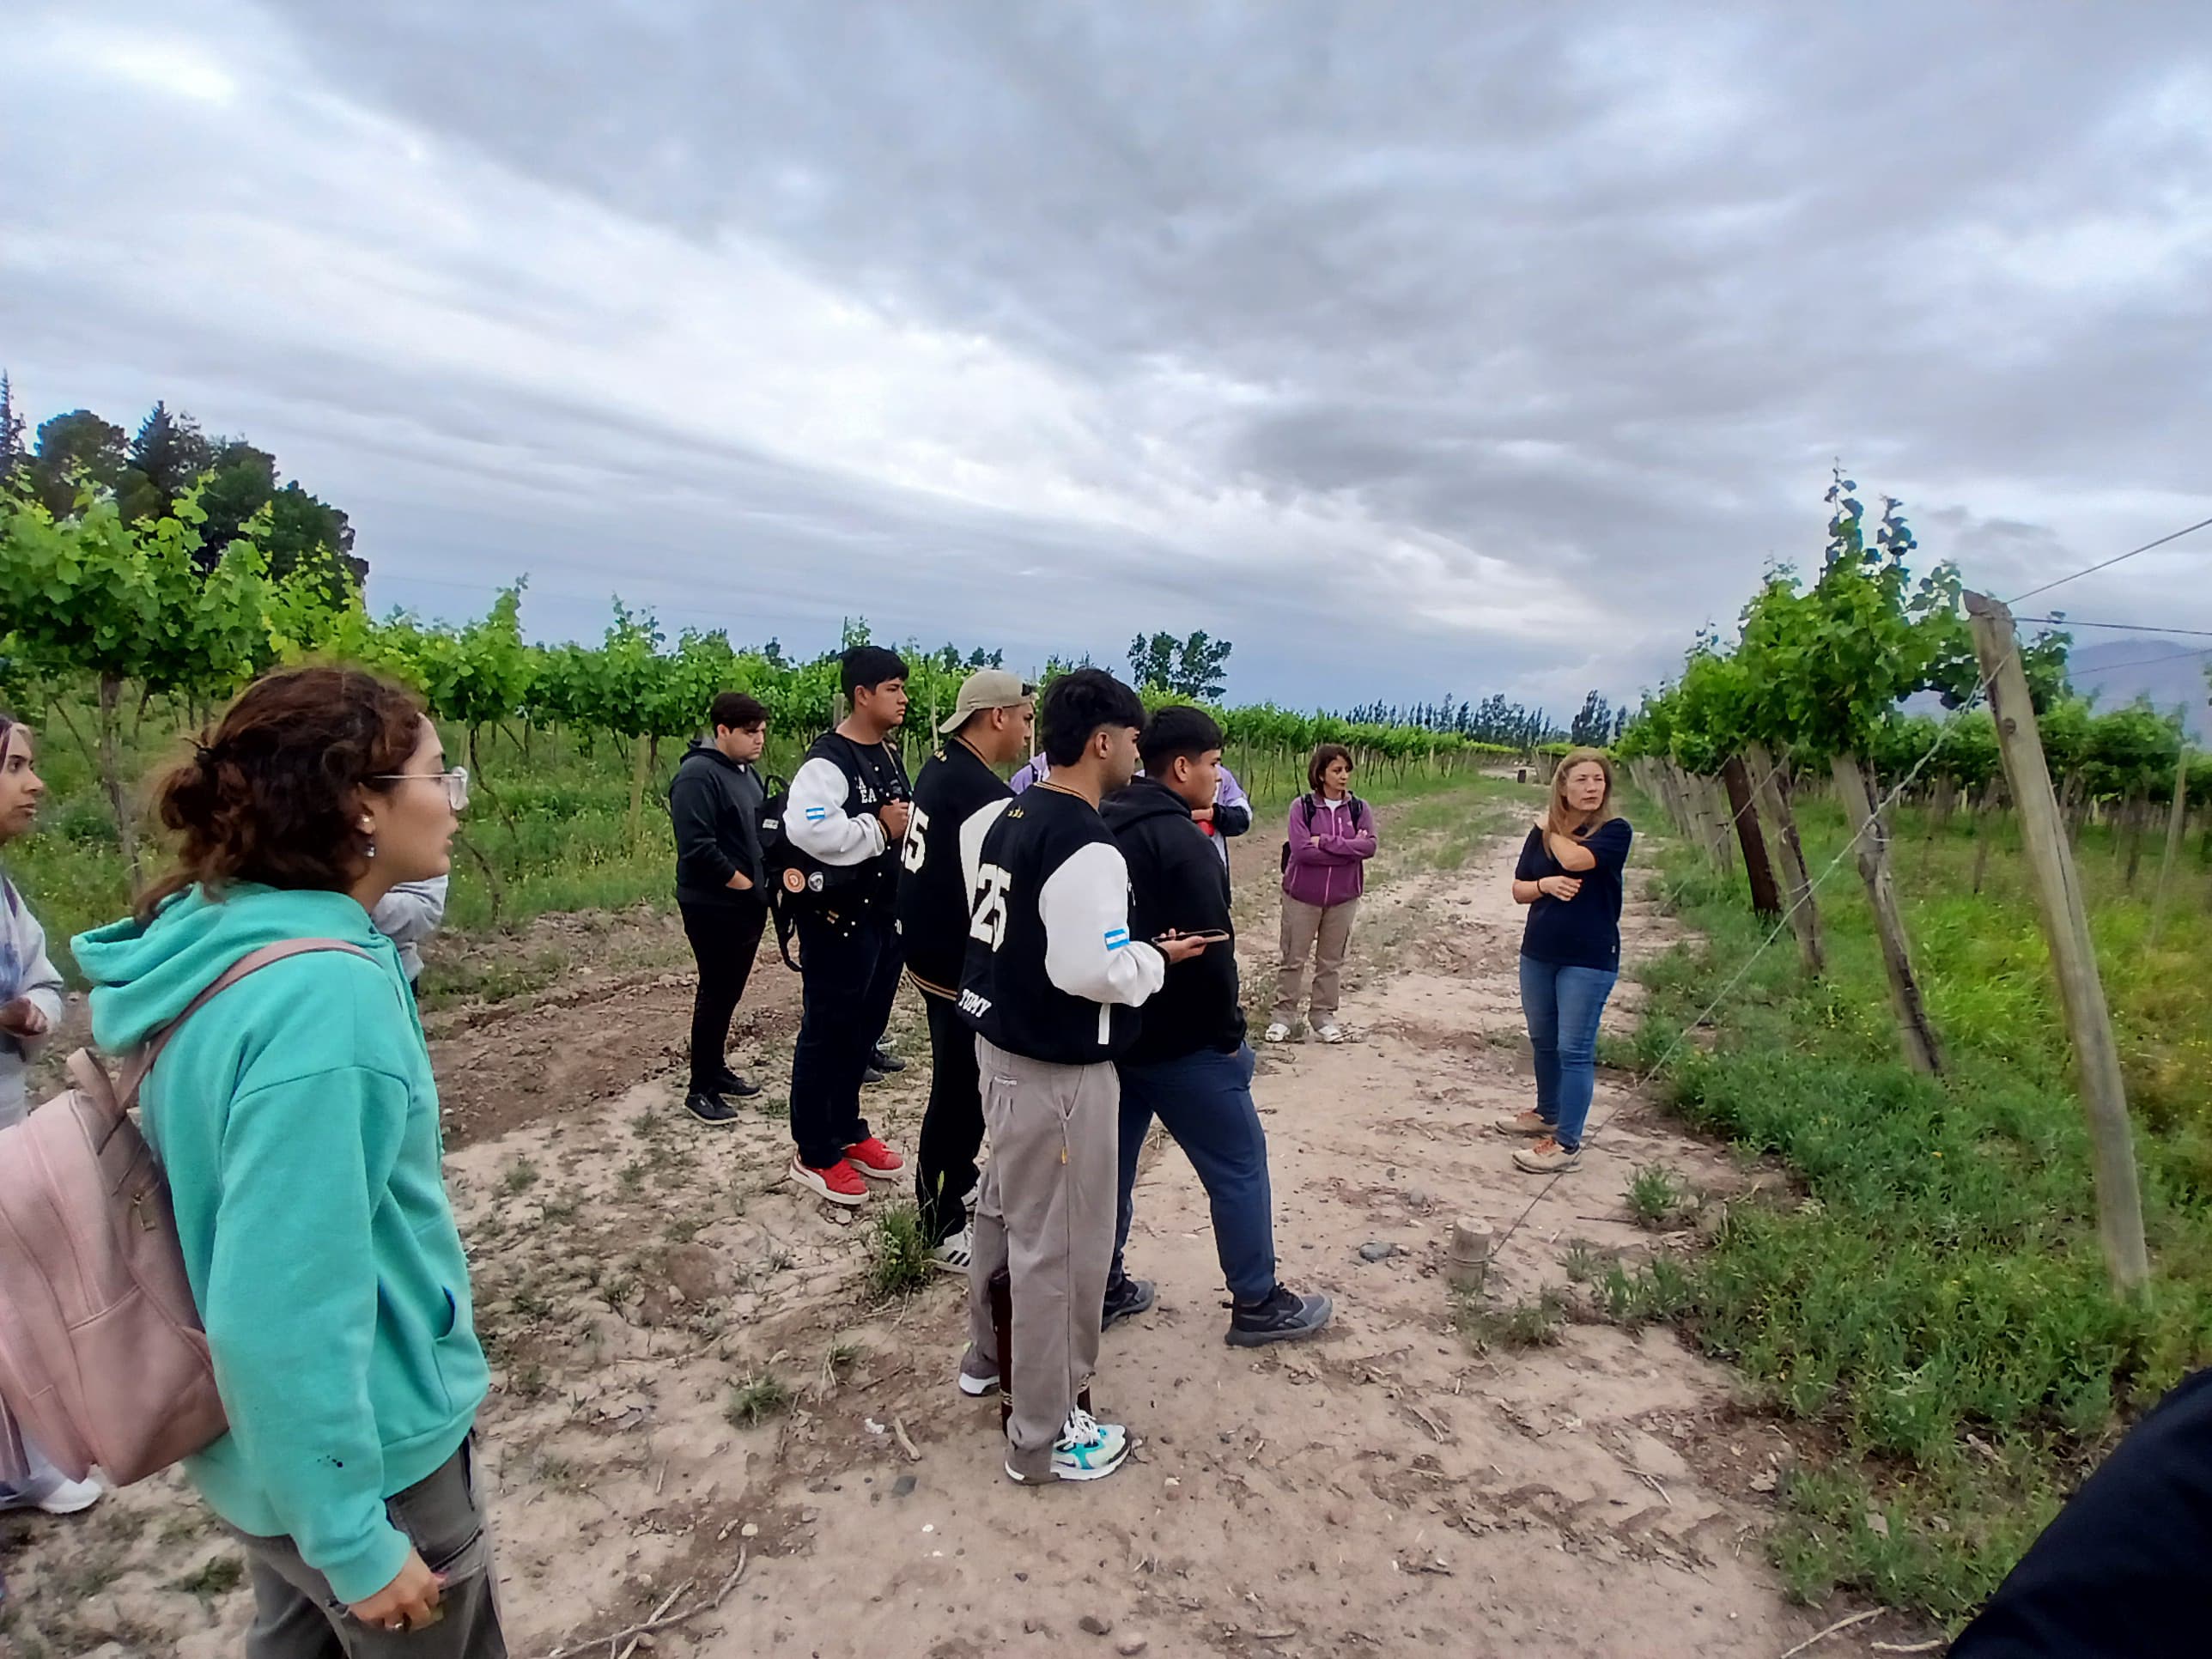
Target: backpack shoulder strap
141, 1064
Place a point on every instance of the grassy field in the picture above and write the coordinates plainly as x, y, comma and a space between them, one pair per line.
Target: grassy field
1927, 1291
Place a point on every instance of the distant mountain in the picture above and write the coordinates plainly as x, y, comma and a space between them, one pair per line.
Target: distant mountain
2168, 671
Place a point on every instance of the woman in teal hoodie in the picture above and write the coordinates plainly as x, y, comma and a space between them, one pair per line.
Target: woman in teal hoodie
298, 1124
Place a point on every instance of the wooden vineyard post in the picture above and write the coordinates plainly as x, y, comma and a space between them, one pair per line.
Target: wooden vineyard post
1717, 821
1773, 796
2066, 928
1766, 897
2177, 816
1871, 842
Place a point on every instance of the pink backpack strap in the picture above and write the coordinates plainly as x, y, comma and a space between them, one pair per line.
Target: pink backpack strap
141, 1064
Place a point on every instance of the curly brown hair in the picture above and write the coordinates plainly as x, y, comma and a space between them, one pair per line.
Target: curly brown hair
272, 794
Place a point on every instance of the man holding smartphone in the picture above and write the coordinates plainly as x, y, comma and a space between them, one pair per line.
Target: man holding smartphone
1190, 1066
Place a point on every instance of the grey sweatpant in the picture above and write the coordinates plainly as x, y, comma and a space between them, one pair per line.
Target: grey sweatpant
1045, 1211
296, 1616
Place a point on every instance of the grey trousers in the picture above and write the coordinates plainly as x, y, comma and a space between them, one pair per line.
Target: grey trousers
1045, 1211
1309, 931
297, 1616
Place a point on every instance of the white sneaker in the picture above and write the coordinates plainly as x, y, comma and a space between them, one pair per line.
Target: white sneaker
1278, 1032
1087, 1449
954, 1254
976, 1387
1329, 1031
71, 1497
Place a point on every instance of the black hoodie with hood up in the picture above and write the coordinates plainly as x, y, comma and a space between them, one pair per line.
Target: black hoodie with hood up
1178, 881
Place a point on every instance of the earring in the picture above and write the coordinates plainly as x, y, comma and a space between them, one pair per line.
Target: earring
369, 831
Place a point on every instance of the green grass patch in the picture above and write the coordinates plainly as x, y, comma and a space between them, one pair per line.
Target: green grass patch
1533, 1323
898, 1252
1931, 1294
758, 1398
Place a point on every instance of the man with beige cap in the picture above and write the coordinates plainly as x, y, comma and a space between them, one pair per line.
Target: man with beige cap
988, 732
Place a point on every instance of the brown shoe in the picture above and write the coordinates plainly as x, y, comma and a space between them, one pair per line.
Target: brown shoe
1520, 1123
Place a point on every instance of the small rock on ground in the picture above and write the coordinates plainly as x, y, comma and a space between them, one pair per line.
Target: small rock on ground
1131, 1645
1092, 1624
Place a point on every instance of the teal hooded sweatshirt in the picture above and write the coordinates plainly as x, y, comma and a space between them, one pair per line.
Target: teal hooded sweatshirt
297, 1121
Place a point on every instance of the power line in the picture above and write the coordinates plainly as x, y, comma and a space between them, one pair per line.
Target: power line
2190, 531
2141, 662
2132, 628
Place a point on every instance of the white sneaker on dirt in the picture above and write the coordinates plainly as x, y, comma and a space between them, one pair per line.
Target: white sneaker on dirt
976, 1385
72, 1496
1520, 1123
1547, 1157
1087, 1449
954, 1254
1329, 1031
1278, 1032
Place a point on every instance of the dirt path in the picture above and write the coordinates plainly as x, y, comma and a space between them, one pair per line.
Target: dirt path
1389, 1488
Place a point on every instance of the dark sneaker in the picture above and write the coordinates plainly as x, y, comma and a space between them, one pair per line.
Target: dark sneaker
1284, 1316
731, 1084
1126, 1299
871, 1076
883, 1059
710, 1109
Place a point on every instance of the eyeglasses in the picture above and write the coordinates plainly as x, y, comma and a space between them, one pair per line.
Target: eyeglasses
456, 783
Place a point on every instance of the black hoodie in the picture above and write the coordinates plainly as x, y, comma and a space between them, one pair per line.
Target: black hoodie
714, 804
1178, 881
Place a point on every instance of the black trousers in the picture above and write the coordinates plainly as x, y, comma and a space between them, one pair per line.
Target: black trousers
848, 972
952, 1126
725, 939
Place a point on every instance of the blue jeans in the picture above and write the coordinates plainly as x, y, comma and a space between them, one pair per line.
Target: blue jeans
1205, 1100
1562, 1007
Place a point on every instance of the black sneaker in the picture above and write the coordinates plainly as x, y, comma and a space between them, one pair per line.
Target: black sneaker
1283, 1317
710, 1109
883, 1059
1125, 1299
871, 1076
731, 1084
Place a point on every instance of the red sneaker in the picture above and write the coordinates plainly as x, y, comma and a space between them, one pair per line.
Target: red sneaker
837, 1183
873, 1159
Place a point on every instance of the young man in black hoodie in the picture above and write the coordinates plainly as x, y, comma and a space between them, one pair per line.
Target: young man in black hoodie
1190, 1066
989, 730
721, 888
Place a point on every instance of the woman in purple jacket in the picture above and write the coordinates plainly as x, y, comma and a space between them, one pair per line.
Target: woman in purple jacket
1332, 837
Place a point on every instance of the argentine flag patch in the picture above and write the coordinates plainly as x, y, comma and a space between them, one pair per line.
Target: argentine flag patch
817, 814
1116, 937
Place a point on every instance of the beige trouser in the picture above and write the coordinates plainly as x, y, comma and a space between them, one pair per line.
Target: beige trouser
1309, 931
1045, 1213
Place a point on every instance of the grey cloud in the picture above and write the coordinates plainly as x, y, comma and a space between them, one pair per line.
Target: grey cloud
1593, 292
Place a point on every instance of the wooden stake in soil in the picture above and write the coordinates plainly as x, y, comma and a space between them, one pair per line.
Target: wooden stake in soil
1766, 897
1871, 842
1772, 791
2176, 817
2066, 926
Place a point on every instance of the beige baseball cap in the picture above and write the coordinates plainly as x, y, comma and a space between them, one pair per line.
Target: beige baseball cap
985, 689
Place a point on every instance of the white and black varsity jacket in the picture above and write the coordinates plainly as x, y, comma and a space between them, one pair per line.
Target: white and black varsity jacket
1052, 974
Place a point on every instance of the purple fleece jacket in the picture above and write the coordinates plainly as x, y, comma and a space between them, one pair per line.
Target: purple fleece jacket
1328, 865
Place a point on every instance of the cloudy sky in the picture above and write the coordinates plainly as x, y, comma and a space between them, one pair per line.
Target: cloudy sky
1414, 347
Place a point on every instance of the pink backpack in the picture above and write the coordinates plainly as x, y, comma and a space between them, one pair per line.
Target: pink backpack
102, 1358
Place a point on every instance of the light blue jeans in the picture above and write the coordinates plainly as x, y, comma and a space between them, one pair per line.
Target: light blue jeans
1562, 1007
